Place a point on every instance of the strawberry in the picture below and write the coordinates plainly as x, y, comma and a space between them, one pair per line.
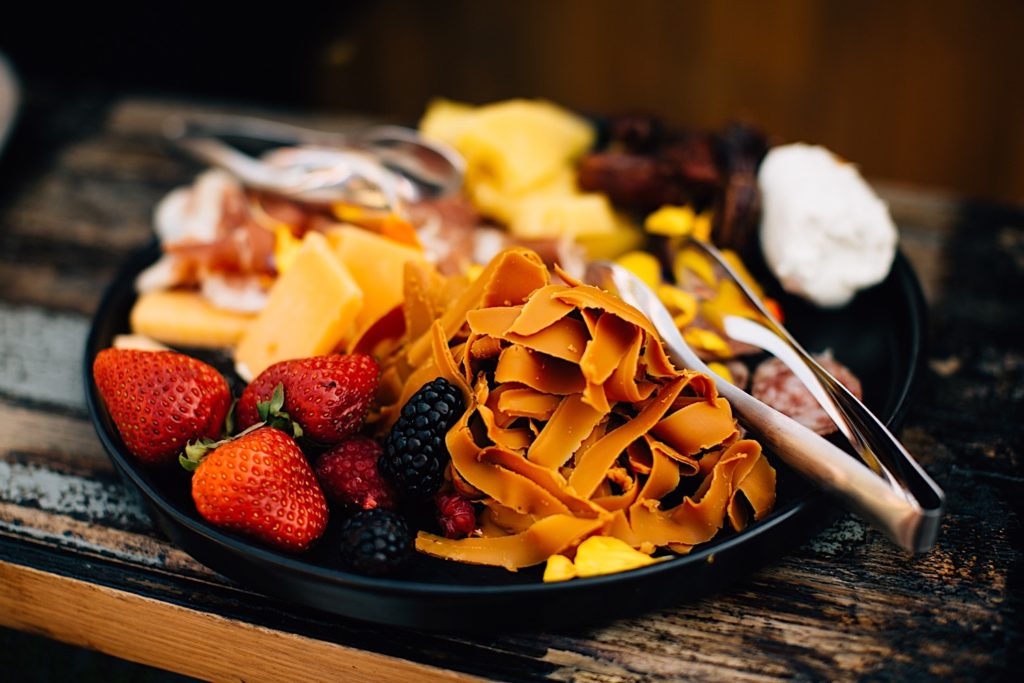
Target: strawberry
260, 485
327, 396
349, 476
160, 400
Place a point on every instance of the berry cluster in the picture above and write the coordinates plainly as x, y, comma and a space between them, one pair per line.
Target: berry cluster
259, 482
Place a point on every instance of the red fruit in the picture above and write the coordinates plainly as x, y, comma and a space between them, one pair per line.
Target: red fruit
328, 396
160, 400
261, 485
348, 474
456, 515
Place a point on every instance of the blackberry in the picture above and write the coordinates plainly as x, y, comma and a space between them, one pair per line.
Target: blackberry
414, 450
375, 542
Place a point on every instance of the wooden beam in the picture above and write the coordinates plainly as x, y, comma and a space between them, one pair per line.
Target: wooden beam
184, 640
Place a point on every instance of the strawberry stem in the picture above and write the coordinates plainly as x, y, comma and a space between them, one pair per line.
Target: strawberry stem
196, 451
272, 414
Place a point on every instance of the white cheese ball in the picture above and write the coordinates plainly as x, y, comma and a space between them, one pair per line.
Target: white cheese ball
825, 234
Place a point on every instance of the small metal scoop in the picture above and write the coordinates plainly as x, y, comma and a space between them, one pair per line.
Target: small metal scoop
379, 166
886, 504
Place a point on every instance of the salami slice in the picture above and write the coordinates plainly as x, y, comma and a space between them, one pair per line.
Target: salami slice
777, 386
740, 373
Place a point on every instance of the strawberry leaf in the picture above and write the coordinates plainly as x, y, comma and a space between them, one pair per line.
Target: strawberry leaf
277, 400
280, 421
196, 451
272, 414
229, 420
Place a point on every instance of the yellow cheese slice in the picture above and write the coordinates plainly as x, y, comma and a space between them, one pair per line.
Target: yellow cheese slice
185, 318
445, 120
311, 309
377, 264
522, 142
569, 215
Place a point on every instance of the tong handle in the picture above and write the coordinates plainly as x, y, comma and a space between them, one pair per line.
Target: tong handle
860, 489
210, 125
870, 438
819, 460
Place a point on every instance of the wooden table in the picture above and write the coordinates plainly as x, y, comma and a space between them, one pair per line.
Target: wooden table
80, 561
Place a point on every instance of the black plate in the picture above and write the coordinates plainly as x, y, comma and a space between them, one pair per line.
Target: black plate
879, 336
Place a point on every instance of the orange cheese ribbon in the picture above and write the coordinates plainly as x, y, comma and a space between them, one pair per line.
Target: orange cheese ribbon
550, 536
576, 421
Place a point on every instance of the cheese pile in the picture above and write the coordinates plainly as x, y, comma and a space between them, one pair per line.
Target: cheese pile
335, 286
520, 171
577, 424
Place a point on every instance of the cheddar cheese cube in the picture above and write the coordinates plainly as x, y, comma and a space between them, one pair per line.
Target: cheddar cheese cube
312, 308
573, 215
185, 318
377, 265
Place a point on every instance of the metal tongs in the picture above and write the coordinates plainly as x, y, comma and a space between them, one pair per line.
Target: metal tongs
378, 166
892, 492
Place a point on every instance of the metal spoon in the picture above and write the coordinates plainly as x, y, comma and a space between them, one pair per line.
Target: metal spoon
889, 508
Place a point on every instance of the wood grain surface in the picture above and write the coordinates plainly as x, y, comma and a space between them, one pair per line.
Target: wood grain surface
80, 561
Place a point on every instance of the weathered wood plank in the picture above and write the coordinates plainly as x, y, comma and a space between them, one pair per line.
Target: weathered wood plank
90, 497
237, 604
66, 533
56, 438
185, 640
50, 286
87, 211
41, 356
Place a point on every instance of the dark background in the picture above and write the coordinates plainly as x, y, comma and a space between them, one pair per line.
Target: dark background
929, 92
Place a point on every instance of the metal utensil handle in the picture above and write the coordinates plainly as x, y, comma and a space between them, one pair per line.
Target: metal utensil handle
872, 440
886, 450
248, 170
250, 127
868, 435
860, 489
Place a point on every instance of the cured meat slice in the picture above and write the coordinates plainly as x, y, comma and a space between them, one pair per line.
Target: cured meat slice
777, 386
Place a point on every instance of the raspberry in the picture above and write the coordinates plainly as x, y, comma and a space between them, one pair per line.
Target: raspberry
456, 515
349, 477
415, 454
375, 542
